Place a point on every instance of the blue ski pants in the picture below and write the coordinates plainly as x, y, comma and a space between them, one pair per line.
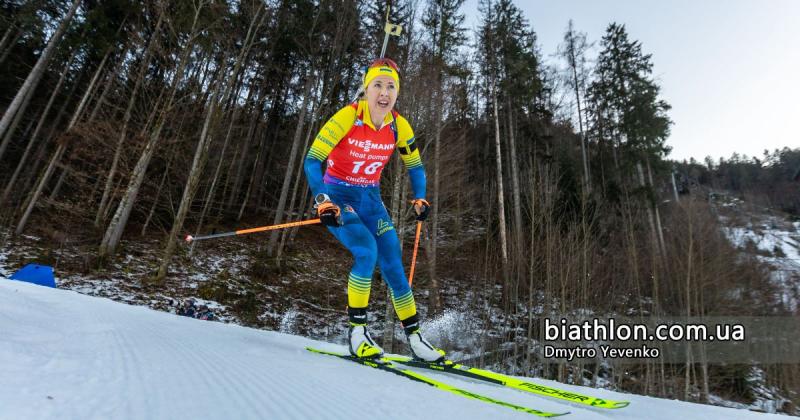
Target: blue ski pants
368, 233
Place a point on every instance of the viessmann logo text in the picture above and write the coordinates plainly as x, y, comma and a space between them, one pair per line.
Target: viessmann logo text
369, 145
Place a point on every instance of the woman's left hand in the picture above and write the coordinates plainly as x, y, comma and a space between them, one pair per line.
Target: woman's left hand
422, 207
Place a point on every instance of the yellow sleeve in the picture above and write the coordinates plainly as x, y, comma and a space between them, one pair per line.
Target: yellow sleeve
331, 133
406, 144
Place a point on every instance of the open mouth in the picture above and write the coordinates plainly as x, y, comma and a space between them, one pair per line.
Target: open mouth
383, 104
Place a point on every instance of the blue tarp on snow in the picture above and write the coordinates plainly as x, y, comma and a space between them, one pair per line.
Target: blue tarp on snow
36, 274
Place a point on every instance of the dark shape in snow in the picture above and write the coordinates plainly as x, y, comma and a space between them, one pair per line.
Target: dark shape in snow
36, 274
191, 310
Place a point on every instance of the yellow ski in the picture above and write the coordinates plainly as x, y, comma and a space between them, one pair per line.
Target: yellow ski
449, 366
386, 365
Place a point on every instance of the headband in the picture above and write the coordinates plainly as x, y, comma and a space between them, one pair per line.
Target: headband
382, 70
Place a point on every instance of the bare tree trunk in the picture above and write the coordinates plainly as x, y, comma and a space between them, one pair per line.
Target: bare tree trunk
229, 176
701, 310
657, 238
249, 187
36, 74
59, 183
229, 89
76, 116
573, 63
158, 194
237, 180
690, 238
531, 271
650, 216
516, 242
261, 172
31, 203
200, 155
517, 206
658, 216
36, 131
29, 176
39, 188
268, 143
23, 160
501, 208
93, 82
107, 86
79, 109
289, 233
11, 44
515, 180
210, 194
674, 187
434, 298
273, 238
704, 372
241, 145
120, 220
7, 37
14, 123
123, 132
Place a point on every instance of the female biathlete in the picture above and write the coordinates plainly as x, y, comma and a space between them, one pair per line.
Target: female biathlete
356, 143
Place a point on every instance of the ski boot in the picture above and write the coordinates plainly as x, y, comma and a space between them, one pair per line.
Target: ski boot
421, 349
360, 342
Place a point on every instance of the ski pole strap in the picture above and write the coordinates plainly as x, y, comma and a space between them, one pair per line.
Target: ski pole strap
414, 255
190, 238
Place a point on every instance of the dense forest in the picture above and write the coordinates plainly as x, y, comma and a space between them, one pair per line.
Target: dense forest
551, 175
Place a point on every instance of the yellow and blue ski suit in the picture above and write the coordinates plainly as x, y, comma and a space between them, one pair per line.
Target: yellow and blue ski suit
355, 153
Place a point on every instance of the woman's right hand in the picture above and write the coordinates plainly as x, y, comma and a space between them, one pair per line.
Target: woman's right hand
329, 213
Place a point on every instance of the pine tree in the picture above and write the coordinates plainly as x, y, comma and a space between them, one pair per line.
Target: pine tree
573, 51
625, 100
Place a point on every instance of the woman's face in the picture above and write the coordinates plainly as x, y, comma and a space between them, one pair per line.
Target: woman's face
381, 95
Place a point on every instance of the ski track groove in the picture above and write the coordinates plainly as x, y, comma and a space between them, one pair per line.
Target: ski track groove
196, 362
280, 395
314, 388
124, 374
113, 365
239, 370
273, 395
255, 393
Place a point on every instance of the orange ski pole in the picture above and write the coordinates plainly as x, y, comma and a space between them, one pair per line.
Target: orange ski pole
190, 238
414, 255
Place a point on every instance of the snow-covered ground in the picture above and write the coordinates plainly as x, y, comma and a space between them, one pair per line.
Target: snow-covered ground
773, 240
782, 244
64, 355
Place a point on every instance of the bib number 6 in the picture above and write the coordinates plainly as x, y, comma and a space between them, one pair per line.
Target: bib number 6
369, 170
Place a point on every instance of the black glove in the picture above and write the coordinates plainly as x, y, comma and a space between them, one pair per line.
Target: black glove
422, 208
329, 213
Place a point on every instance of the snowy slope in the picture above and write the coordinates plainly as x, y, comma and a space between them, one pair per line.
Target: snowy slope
64, 355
